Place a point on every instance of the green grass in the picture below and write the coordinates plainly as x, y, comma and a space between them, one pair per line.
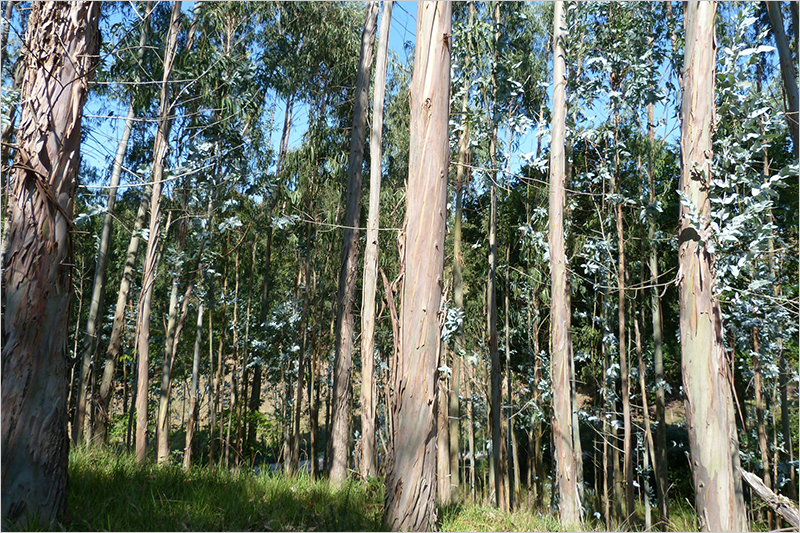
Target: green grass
110, 491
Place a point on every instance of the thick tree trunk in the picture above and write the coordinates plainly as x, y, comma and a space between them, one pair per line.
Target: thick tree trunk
368, 388
410, 501
348, 274
713, 441
152, 255
561, 352
62, 42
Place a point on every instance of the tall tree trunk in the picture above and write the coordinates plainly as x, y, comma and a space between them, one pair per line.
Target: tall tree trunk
561, 352
301, 362
254, 402
788, 71
193, 405
713, 440
174, 327
340, 433
62, 40
118, 327
660, 460
152, 255
368, 388
90, 338
458, 276
496, 464
510, 462
410, 502
627, 452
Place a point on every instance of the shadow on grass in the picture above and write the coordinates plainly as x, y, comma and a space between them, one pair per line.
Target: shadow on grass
110, 492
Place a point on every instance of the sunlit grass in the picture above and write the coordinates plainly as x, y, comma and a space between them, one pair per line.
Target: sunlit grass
109, 491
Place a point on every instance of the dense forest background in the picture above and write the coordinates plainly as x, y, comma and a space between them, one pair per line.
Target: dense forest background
221, 228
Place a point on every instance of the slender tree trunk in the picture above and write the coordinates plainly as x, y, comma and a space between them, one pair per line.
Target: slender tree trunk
660, 460
112, 354
561, 352
458, 278
410, 502
174, 327
496, 465
152, 256
301, 363
763, 447
62, 40
627, 452
368, 388
649, 445
193, 405
348, 273
90, 338
507, 390
713, 441
788, 71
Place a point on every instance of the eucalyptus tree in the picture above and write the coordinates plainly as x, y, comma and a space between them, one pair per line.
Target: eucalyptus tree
341, 414
561, 347
152, 255
368, 389
37, 268
91, 334
410, 502
713, 439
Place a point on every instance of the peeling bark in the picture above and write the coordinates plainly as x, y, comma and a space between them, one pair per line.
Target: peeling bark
707, 378
62, 39
410, 498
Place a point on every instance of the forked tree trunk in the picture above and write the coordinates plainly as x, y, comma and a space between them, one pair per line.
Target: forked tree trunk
561, 351
410, 501
368, 387
713, 440
152, 255
62, 40
348, 274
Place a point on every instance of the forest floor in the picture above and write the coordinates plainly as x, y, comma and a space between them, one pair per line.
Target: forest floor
108, 491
